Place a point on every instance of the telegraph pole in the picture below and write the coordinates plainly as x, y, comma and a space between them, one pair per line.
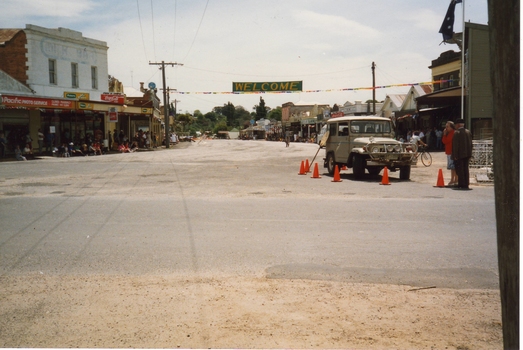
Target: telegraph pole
165, 106
373, 89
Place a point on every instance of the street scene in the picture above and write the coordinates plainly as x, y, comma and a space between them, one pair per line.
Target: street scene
244, 174
221, 243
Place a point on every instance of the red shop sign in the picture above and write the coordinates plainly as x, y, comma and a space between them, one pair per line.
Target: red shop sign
113, 98
36, 102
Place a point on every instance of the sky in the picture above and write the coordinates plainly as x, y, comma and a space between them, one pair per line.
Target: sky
328, 44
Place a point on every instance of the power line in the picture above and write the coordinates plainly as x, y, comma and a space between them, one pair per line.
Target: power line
174, 32
197, 30
152, 22
141, 29
285, 76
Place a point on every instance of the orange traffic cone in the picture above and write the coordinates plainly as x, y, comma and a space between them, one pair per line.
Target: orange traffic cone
344, 167
385, 177
307, 166
336, 174
441, 181
302, 169
316, 173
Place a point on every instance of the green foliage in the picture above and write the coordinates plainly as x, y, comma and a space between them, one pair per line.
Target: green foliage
261, 110
220, 126
275, 114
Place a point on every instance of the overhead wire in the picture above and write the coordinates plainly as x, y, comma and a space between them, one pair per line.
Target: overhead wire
259, 75
174, 32
197, 31
152, 22
141, 29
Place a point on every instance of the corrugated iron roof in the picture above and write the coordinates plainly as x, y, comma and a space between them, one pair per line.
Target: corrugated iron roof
8, 34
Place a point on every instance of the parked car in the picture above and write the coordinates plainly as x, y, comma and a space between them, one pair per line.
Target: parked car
366, 142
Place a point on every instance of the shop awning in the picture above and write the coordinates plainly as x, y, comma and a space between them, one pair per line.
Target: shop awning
440, 96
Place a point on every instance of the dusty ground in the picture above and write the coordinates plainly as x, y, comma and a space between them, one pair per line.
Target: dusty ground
232, 312
173, 311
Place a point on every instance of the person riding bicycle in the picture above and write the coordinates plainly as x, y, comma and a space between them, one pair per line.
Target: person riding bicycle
416, 139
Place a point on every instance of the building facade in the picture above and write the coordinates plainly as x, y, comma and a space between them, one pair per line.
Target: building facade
303, 119
57, 81
454, 80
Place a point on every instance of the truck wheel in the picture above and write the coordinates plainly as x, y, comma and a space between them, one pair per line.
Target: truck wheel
405, 172
330, 164
358, 167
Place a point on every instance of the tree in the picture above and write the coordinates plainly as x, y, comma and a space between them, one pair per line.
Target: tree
242, 116
220, 126
261, 110
183, 121
212, 116
275, 114
229, 112
504, 33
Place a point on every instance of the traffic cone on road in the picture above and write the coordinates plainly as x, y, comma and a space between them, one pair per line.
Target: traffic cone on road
307, 166
336, 174
316, 173
441, 181
302, 169
385, 177
344, 167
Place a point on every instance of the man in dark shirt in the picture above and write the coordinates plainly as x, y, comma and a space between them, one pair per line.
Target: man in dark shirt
461, 153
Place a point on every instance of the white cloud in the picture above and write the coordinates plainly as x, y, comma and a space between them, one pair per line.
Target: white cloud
335, 25
51, 8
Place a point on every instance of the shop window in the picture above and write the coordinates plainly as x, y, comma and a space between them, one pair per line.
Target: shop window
74, 75
94, 77
436, 85
52, 72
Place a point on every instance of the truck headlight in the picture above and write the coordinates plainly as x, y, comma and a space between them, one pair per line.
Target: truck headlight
375, 149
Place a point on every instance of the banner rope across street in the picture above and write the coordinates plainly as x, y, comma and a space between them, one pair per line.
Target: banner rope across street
308, 91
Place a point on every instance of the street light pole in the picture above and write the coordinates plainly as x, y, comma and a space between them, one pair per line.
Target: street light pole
165, 106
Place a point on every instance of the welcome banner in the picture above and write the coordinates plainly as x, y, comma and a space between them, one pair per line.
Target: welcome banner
238, 92
280, 86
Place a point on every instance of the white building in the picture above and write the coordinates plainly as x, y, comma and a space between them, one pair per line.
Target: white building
62, 60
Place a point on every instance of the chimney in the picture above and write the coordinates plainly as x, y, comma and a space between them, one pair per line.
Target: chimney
142, 89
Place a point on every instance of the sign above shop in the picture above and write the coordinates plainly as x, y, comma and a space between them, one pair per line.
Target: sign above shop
267, 86
81, 96
36, 102
113, 98
84, 105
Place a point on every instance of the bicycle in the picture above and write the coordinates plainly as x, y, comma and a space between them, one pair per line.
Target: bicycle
426, 157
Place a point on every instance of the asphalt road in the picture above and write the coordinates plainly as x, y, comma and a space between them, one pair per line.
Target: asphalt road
240, 208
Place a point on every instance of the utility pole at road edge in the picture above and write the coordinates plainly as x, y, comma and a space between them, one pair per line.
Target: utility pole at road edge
165, 106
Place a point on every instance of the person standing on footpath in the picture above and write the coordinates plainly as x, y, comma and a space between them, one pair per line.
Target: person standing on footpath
461, 153
40, 141
3, 144
448, 135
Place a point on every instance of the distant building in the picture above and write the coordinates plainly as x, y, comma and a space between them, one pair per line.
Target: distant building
445, 102
402, 108
303, 119
358, 108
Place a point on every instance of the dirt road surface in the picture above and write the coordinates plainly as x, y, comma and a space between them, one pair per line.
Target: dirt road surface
42, 309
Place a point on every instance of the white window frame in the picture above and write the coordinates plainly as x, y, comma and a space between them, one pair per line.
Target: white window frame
94, 77
74, 75
52, 72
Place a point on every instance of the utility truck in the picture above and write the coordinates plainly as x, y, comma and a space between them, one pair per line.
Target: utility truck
366, 142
